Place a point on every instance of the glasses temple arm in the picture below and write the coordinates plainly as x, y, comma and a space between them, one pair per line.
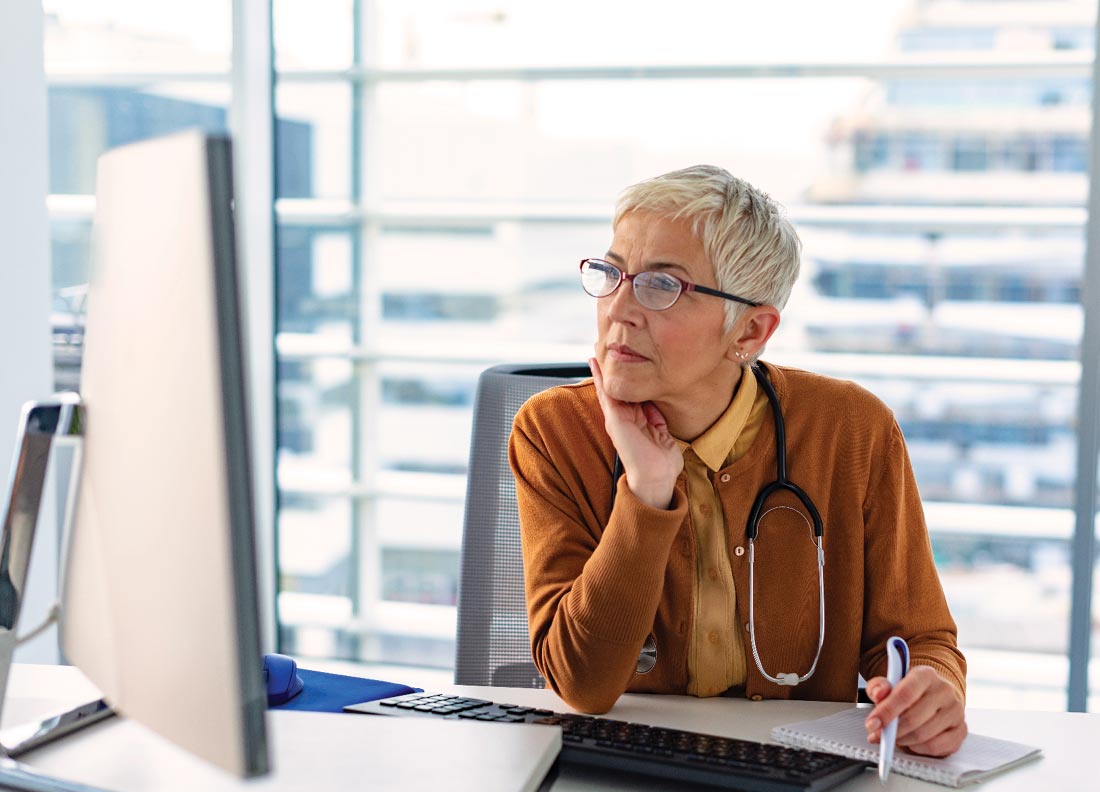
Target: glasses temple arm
716, 293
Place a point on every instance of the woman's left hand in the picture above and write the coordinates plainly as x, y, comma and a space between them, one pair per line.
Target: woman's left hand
932, 717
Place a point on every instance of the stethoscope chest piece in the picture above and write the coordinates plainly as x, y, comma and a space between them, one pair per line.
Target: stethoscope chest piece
648, 656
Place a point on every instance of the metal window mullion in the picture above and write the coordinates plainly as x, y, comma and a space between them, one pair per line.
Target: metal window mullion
1070, 64
251, 121
1088, 429
363, 505
1073, 64
320, 213
1006, 371
912, 219
369, 405
147, 79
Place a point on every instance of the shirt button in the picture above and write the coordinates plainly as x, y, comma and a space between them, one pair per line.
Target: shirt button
712, 573
757, 697
739, 550
705, 509
713, 637
725, 478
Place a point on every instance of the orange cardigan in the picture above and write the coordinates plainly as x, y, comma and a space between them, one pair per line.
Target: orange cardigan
600, 581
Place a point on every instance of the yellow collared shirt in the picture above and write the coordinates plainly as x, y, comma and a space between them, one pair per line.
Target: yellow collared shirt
716, 655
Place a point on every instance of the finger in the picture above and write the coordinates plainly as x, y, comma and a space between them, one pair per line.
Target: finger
608, 406
653, 416
877, 687
943, 744
597, 378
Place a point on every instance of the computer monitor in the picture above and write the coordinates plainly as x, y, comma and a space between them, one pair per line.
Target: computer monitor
160, 604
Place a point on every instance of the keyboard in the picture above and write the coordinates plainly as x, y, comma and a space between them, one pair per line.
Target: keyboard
648, 750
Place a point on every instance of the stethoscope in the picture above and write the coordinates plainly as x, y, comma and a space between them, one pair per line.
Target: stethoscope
755, 515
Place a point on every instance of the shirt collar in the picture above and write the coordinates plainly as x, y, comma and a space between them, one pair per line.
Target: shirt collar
715, 444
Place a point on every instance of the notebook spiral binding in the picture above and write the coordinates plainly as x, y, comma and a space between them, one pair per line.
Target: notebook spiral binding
901, 764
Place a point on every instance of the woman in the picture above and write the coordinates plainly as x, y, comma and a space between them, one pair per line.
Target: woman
635, 489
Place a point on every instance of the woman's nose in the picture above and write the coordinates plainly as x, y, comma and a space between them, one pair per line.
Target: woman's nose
622, 305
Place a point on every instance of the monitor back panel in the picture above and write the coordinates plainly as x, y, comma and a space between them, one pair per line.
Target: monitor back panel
160, 597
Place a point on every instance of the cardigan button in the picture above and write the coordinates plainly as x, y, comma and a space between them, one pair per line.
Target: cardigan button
757, 697
739, 550
725, 478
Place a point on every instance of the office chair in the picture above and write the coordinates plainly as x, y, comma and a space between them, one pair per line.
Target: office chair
493, 646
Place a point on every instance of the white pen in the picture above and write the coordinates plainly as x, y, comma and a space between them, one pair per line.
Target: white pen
897, 666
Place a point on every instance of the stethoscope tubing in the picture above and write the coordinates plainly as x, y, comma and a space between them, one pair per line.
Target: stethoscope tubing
753, 528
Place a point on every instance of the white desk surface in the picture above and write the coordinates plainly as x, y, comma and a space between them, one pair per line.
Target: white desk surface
309, 750
317, 751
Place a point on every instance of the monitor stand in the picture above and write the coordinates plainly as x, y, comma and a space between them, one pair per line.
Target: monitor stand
41, 424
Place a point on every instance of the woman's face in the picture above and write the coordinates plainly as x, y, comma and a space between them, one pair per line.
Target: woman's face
678, 358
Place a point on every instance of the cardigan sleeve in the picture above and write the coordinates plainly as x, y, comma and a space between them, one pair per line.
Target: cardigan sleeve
592, 591
903, 594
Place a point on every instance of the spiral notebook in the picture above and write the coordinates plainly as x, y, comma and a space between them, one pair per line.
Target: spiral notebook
844, 734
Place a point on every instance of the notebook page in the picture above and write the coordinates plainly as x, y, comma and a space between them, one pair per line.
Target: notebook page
843, 733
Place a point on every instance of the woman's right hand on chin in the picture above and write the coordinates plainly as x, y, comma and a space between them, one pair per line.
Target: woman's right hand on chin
650, 457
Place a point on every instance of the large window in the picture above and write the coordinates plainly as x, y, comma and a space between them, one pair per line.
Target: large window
441, 167
465, 155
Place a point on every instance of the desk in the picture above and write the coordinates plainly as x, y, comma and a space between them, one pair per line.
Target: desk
321, 751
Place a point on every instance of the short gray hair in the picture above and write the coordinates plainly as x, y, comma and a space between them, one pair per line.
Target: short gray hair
753, 247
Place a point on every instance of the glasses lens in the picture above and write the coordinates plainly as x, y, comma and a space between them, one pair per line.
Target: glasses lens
656, 290
599, 278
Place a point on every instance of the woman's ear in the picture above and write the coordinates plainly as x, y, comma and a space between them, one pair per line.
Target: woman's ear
751, 332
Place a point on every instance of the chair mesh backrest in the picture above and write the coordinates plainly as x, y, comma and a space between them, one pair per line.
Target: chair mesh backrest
492, 643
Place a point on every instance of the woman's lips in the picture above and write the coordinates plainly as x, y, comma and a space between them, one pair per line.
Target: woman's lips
625, 354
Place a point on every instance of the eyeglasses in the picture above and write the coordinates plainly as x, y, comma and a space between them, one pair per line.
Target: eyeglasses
653, 289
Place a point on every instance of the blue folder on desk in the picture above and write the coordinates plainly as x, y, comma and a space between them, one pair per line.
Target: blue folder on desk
322, 692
